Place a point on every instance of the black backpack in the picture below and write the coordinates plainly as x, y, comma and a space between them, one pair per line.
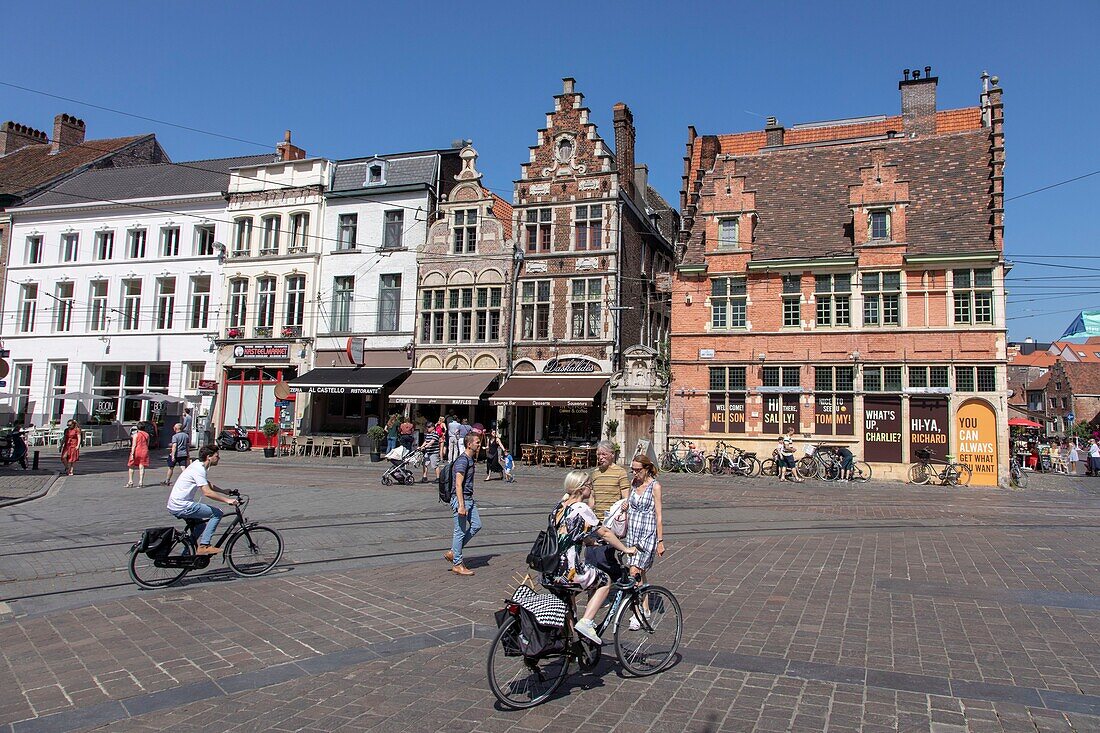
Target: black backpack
545, 554
447, 482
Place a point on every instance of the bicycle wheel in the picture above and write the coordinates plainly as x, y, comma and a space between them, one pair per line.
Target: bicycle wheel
254, 552
861, 472
518, 682
667, 462
752, 467
651, 647
832, 472
920, 473
716, 465
768, 467
145, 572
962, 475
1019, 479
806, 467
694, 464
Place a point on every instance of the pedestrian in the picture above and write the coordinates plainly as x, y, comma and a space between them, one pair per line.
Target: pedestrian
609, 484
432, 447
454, 442
391, 431
509, 467
645, 528
139, 456
71, 442
1074, 457
186, 421
467, 521
1094, 457
179, 452
785, 451
405, 435
493, 453
847, 463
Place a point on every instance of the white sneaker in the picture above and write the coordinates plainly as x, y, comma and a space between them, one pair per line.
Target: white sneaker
635, 624
587, 629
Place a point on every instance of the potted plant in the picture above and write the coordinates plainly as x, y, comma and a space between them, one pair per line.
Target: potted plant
270, 430
234, 332
377, 435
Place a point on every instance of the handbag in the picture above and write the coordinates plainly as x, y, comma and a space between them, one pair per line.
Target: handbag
616, 517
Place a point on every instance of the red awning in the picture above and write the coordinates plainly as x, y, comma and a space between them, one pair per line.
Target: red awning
1023, 422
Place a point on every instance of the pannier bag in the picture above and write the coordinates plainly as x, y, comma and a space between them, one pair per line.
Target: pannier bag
156, 542
541, 625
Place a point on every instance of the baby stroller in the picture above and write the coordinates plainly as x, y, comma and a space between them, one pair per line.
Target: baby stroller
402, 462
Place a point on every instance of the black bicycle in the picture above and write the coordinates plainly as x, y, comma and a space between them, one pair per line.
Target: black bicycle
249, 548
647, 624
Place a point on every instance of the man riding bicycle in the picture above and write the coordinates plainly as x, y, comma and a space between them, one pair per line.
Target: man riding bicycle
183, 502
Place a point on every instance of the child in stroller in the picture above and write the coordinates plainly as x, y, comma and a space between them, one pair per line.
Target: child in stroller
402, 462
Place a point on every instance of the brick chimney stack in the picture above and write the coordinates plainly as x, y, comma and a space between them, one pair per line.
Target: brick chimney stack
624, 147
918, 102
288, 150
774, 132
68, 132
14, 136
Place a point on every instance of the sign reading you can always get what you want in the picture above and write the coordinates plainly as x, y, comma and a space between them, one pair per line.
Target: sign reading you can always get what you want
976, 424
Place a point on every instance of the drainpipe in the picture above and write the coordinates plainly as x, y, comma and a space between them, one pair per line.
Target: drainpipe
618, 284
517, 263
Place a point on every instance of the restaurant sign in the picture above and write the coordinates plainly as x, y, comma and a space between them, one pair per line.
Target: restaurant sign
339, 389
208, 385
570, 366
261, 352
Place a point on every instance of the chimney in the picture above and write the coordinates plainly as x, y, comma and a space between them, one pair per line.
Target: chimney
624, 147
288, 150
68, 132
918, 102
774, 132
568, 85
14, 136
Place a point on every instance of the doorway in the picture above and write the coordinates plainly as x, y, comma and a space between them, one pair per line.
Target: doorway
638, 425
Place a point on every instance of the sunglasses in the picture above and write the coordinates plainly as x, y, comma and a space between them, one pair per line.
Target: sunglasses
637, 468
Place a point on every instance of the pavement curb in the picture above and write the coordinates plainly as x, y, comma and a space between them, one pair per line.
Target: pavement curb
37, 495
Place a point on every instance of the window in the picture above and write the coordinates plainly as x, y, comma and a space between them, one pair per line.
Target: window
728, 302
34, 250
976, 379
586, 306
460, 315
433, 316
343, 294
193, 375
238, 302
375, 175
63, 308
295, 302
200, 301
22, 388
135, 244
270, 243
882, 379
792, 296
465, 231
389, 302
488, 314
242, 237
299, 230
973, 296
28, 307
535, 309
881, 298
204, 240
589, 226
922, 376
170, 242
1053, 403
833, 400
728, 233
97, 312
393, 230
59, 377
166, 301
774, 376
878, 224
832, 294
727, 399
347, 232
538, 229
70, 247
131, 305
265, 305
104, 245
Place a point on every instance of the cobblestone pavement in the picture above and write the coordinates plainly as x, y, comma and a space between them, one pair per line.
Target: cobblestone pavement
880, 607
17, 485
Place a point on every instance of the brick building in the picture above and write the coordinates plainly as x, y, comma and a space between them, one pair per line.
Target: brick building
593, 236
1068, 395
845, 278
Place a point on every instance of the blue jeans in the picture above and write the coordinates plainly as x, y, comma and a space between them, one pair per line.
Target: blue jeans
195, 510
465, 527
391, 443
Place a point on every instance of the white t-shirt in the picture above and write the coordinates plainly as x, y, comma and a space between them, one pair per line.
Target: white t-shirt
1094, 450
188, 487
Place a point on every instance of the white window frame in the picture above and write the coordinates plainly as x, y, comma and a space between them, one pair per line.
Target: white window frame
170, 241
729, 303
294, 286
166, 303
271, 226
588, 227
347, 232
238, 302
33, 254
135, 243
63, 307
104, 245
98, 305
28, 307
833, 306
205, 236
299, 232
200, 302
70, 247
131, 304
463, 233
242, 236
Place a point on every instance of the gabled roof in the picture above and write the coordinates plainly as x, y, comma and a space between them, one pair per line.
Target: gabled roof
1086, 353
406, 169
30, 168
1039, 384
1084, 379
667, 223
502, 211
1042, 359
146, 181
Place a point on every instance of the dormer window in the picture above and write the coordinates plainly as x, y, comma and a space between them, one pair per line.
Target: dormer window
376, 173
878, 224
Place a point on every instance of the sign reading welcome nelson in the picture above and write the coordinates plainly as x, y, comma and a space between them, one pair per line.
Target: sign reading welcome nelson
261, 352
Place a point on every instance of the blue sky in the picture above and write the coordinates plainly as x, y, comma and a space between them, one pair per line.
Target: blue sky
360, 78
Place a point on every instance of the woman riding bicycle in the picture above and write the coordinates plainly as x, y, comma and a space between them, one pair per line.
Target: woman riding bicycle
577, 525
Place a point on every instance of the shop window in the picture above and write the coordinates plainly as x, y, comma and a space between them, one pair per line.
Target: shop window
728, 303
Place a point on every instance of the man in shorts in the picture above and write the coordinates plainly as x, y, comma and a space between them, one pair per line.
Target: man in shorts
179, 450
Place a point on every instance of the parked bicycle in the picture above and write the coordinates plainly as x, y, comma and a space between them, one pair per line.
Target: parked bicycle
824, 462
519, 681
1016, 475
250, 549
925, 470
732, 460
684, 458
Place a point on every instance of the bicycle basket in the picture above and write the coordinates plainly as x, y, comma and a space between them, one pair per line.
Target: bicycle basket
923, 454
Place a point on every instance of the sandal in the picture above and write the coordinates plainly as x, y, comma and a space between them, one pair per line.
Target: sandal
130, 485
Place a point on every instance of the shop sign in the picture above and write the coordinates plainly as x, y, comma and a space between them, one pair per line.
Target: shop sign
780, 413
261, 352
208, 385
882, 429
105, 407
570, 366
833, 415
976, 426
339, 389
928, 427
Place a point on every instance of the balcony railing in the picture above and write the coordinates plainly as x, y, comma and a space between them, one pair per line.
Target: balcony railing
261, 332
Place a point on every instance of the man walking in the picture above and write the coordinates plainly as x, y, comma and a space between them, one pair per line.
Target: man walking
467, 522
609, 484
454, 444
179, 450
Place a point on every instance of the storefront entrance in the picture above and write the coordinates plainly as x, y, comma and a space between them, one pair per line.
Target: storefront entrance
249, 399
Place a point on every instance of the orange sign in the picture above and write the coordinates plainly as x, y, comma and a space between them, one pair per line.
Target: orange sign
976, 446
